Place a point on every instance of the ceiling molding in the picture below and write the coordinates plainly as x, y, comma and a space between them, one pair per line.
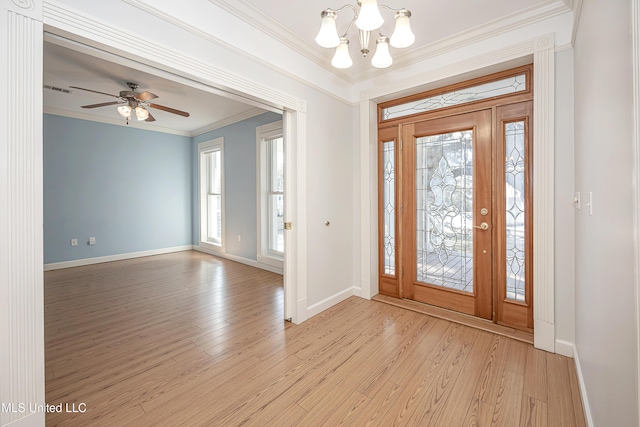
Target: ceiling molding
577, 8
155, 11
497, 27
228, 121
264, 23
112, 121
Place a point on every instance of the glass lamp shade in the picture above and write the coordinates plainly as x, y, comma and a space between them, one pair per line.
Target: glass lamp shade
402, 35
328, 34
141, 113
125, 111
382, 58
342, 59
369, 18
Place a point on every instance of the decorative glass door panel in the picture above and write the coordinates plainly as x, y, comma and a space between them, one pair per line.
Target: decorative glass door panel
450, 200
444, 210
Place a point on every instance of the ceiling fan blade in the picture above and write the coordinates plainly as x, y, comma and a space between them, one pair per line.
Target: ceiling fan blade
150, 118
169, 110
104, 104
145, 96
94, 91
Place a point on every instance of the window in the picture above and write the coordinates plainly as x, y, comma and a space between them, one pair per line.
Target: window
211, 161
270, 145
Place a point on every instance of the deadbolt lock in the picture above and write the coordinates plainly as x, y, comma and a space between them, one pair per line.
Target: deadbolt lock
484, 211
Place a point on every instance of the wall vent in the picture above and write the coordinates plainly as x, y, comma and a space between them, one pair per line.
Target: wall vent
57, 89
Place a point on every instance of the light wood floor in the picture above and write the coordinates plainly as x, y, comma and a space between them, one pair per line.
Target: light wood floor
188, 339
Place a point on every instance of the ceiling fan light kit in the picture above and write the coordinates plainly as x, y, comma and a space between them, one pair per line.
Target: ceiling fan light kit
368, 18
130, 101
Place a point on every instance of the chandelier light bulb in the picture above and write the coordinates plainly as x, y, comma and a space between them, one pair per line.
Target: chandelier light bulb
402, 35
382, 58
141, 113
369, 18
125, 111
342, 59
328, 34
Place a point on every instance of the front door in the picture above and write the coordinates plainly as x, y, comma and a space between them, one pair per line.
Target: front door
456, 198
447, 204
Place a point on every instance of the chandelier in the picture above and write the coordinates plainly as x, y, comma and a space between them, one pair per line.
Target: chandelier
367, 19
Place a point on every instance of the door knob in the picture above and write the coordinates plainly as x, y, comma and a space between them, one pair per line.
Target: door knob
483, 226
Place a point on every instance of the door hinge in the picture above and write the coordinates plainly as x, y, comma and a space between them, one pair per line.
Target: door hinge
400, 144
287, 226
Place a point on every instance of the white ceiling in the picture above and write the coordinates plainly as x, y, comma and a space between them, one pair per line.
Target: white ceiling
64, 67
294, 23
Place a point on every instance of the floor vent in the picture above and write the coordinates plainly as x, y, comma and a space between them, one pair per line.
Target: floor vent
57, 89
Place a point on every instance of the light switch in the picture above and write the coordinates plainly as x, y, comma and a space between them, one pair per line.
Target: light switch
74, 242
92, 240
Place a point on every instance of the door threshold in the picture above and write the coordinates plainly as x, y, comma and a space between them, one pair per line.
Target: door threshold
453, 316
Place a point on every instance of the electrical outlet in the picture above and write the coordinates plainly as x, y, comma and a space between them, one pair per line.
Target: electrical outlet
74, 242
239, 237
92, 240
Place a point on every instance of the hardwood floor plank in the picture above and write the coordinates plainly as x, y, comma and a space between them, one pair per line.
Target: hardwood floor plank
190, 339
509, 401
560, 403
535, 378
533, 412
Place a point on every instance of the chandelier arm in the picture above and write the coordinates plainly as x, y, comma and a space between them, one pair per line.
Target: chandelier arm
355, 16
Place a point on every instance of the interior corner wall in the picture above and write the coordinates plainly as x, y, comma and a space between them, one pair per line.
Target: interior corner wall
129, 188
239, 184
606, 335
564, 216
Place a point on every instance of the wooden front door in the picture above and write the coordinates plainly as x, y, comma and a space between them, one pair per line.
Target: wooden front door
447, 201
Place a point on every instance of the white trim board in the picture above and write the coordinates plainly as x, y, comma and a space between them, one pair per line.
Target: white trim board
635, 42
583, 389
329, 302
117, 257
241, 260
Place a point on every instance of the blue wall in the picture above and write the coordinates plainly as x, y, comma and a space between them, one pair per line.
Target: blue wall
129, 188
240, 183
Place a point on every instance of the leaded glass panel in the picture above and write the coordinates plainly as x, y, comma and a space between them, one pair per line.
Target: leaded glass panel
462, 96
444, 210
515, 211
389, 208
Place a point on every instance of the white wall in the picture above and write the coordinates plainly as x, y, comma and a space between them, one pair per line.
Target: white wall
606, 335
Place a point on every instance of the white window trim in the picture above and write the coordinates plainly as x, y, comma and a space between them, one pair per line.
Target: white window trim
264, 255
204, 148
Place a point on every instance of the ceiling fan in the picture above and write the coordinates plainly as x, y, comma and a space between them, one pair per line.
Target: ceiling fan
132, 102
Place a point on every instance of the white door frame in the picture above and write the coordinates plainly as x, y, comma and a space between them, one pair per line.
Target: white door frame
543, 50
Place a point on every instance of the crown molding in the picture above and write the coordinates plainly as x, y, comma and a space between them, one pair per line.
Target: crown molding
577, 8
155, 11
267, 25
228, 121
548, 9
112, 121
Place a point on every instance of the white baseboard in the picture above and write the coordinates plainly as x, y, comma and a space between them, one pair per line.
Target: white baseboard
117, 257
544, 335
240, 259
329, 302
302, 311
583, 389
357, 292
564, 348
